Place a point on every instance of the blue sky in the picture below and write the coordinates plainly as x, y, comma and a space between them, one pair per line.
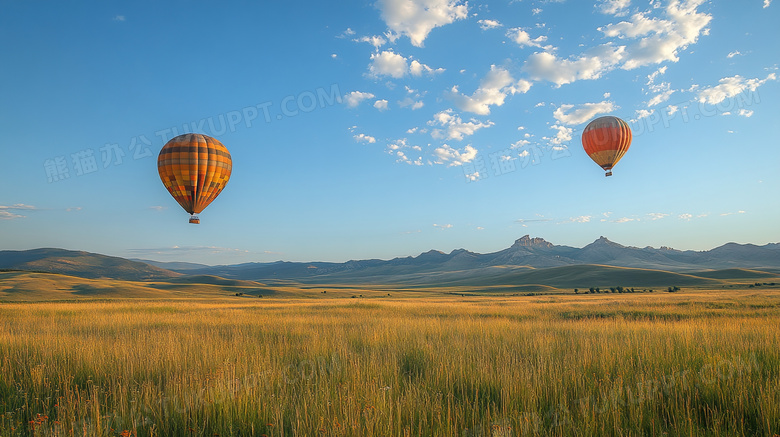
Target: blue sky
383, 129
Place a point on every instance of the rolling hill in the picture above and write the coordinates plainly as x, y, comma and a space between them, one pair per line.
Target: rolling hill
529, 262
82, 264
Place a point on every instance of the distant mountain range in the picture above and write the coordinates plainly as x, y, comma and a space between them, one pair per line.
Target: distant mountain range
527, 261
525, 253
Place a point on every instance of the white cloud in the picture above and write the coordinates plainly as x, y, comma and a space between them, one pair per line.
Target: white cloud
767, 3
354, 98
493, 90
363, 138
410, 102
562, 136
381, 105
644, 113
417, 69
489, 24
625, 220
7, 211
406, 160
519, 145
8, 215
729, 87
652, 76
661, 97
416, 18
657, 215
660, 39
346, 33
122, 17
375, 40
452, 157
454, 127
473, 176
613, 7
685, 216
734, 53
574, 115
590, 65
745, 113
388, 63
447, 226
580, 219
523, 39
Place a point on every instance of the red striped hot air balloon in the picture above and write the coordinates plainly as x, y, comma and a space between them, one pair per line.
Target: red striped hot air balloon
194, 168
606, 140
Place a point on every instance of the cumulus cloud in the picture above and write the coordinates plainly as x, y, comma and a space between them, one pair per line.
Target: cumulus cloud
767, 3
403, 158
381, 105
454, 128
354, 98
648, 40
574, 115
660, 39
745, 112
417, 69
489, 24
613, 7
375, 40
643, 113
363, 138
447, 226
729, 87
416, 18
389, 63
562, 136
523, 39
590, 65
493, 90
661, 96
452, 157
411, 103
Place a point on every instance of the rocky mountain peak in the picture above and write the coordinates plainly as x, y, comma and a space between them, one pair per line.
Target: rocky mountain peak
527, 241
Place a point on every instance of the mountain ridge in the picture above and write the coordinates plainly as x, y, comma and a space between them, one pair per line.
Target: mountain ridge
434, 265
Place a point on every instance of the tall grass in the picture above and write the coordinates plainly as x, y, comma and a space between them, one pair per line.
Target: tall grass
706, 364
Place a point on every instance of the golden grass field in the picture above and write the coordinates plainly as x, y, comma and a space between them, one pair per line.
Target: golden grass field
696, 362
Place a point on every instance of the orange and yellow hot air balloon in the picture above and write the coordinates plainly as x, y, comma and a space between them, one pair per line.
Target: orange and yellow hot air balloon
606, 140
194, 168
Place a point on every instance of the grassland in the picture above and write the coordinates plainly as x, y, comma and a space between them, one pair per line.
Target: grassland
697, 362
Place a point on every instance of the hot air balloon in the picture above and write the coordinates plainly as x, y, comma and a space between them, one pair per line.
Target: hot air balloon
606, 140
194, 168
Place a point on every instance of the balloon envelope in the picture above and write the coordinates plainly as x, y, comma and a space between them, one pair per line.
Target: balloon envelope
606, 140
194, 168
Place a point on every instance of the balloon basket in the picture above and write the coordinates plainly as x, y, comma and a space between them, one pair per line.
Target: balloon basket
609, 173
195, 220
